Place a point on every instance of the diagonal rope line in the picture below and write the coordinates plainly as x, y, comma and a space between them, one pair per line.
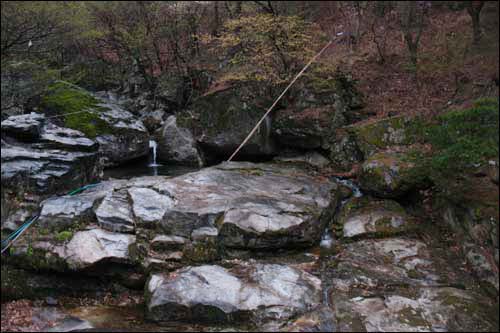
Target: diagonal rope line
278, 99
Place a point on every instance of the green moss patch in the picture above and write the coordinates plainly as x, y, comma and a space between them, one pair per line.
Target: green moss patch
465, 138
79, 108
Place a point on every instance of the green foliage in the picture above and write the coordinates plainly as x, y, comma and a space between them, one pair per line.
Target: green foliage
63, 236
69, 100
462, 139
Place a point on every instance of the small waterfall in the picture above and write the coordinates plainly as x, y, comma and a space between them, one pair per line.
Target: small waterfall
327, 239
152, 146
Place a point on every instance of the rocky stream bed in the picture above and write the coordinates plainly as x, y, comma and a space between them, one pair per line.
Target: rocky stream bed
236, 246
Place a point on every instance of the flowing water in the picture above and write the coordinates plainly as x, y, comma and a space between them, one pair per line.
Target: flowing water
147, 167
153, 145
327, 239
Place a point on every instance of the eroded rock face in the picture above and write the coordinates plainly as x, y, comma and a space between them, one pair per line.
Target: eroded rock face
213, 293
177, 145
368, 216
41, 159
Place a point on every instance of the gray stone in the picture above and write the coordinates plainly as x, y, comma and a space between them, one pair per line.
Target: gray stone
213, 293
204, 233
177, 145
26, 127
88, 248
370, 264
114, 213
148, 205
167, 243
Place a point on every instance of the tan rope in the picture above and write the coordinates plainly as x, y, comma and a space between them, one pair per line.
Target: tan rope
278, 99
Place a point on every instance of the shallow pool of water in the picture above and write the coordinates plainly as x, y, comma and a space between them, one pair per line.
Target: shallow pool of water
145, 168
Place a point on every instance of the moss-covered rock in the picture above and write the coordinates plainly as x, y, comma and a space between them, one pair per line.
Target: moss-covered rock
78, 108
382, 134
390, 174
121, 135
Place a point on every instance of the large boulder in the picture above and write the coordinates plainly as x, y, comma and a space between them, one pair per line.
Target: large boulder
177, 145
254, 292
321, 103
120, 134
220, 121
199, 216
40, 159
304, 129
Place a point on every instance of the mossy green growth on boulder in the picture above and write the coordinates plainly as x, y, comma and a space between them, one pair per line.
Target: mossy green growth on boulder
389, 174
379, 135
79, 109
369, 217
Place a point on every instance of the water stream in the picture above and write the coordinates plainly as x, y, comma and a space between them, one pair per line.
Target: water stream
327, 237
153, 145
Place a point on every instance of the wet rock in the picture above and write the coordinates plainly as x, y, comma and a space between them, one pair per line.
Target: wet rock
46, 171
215, 294
153, 120
321, 319
204, 233
176, 144
57, 160
252, 205
367, 216
26, 127
391, 175
130, 139
188, 219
